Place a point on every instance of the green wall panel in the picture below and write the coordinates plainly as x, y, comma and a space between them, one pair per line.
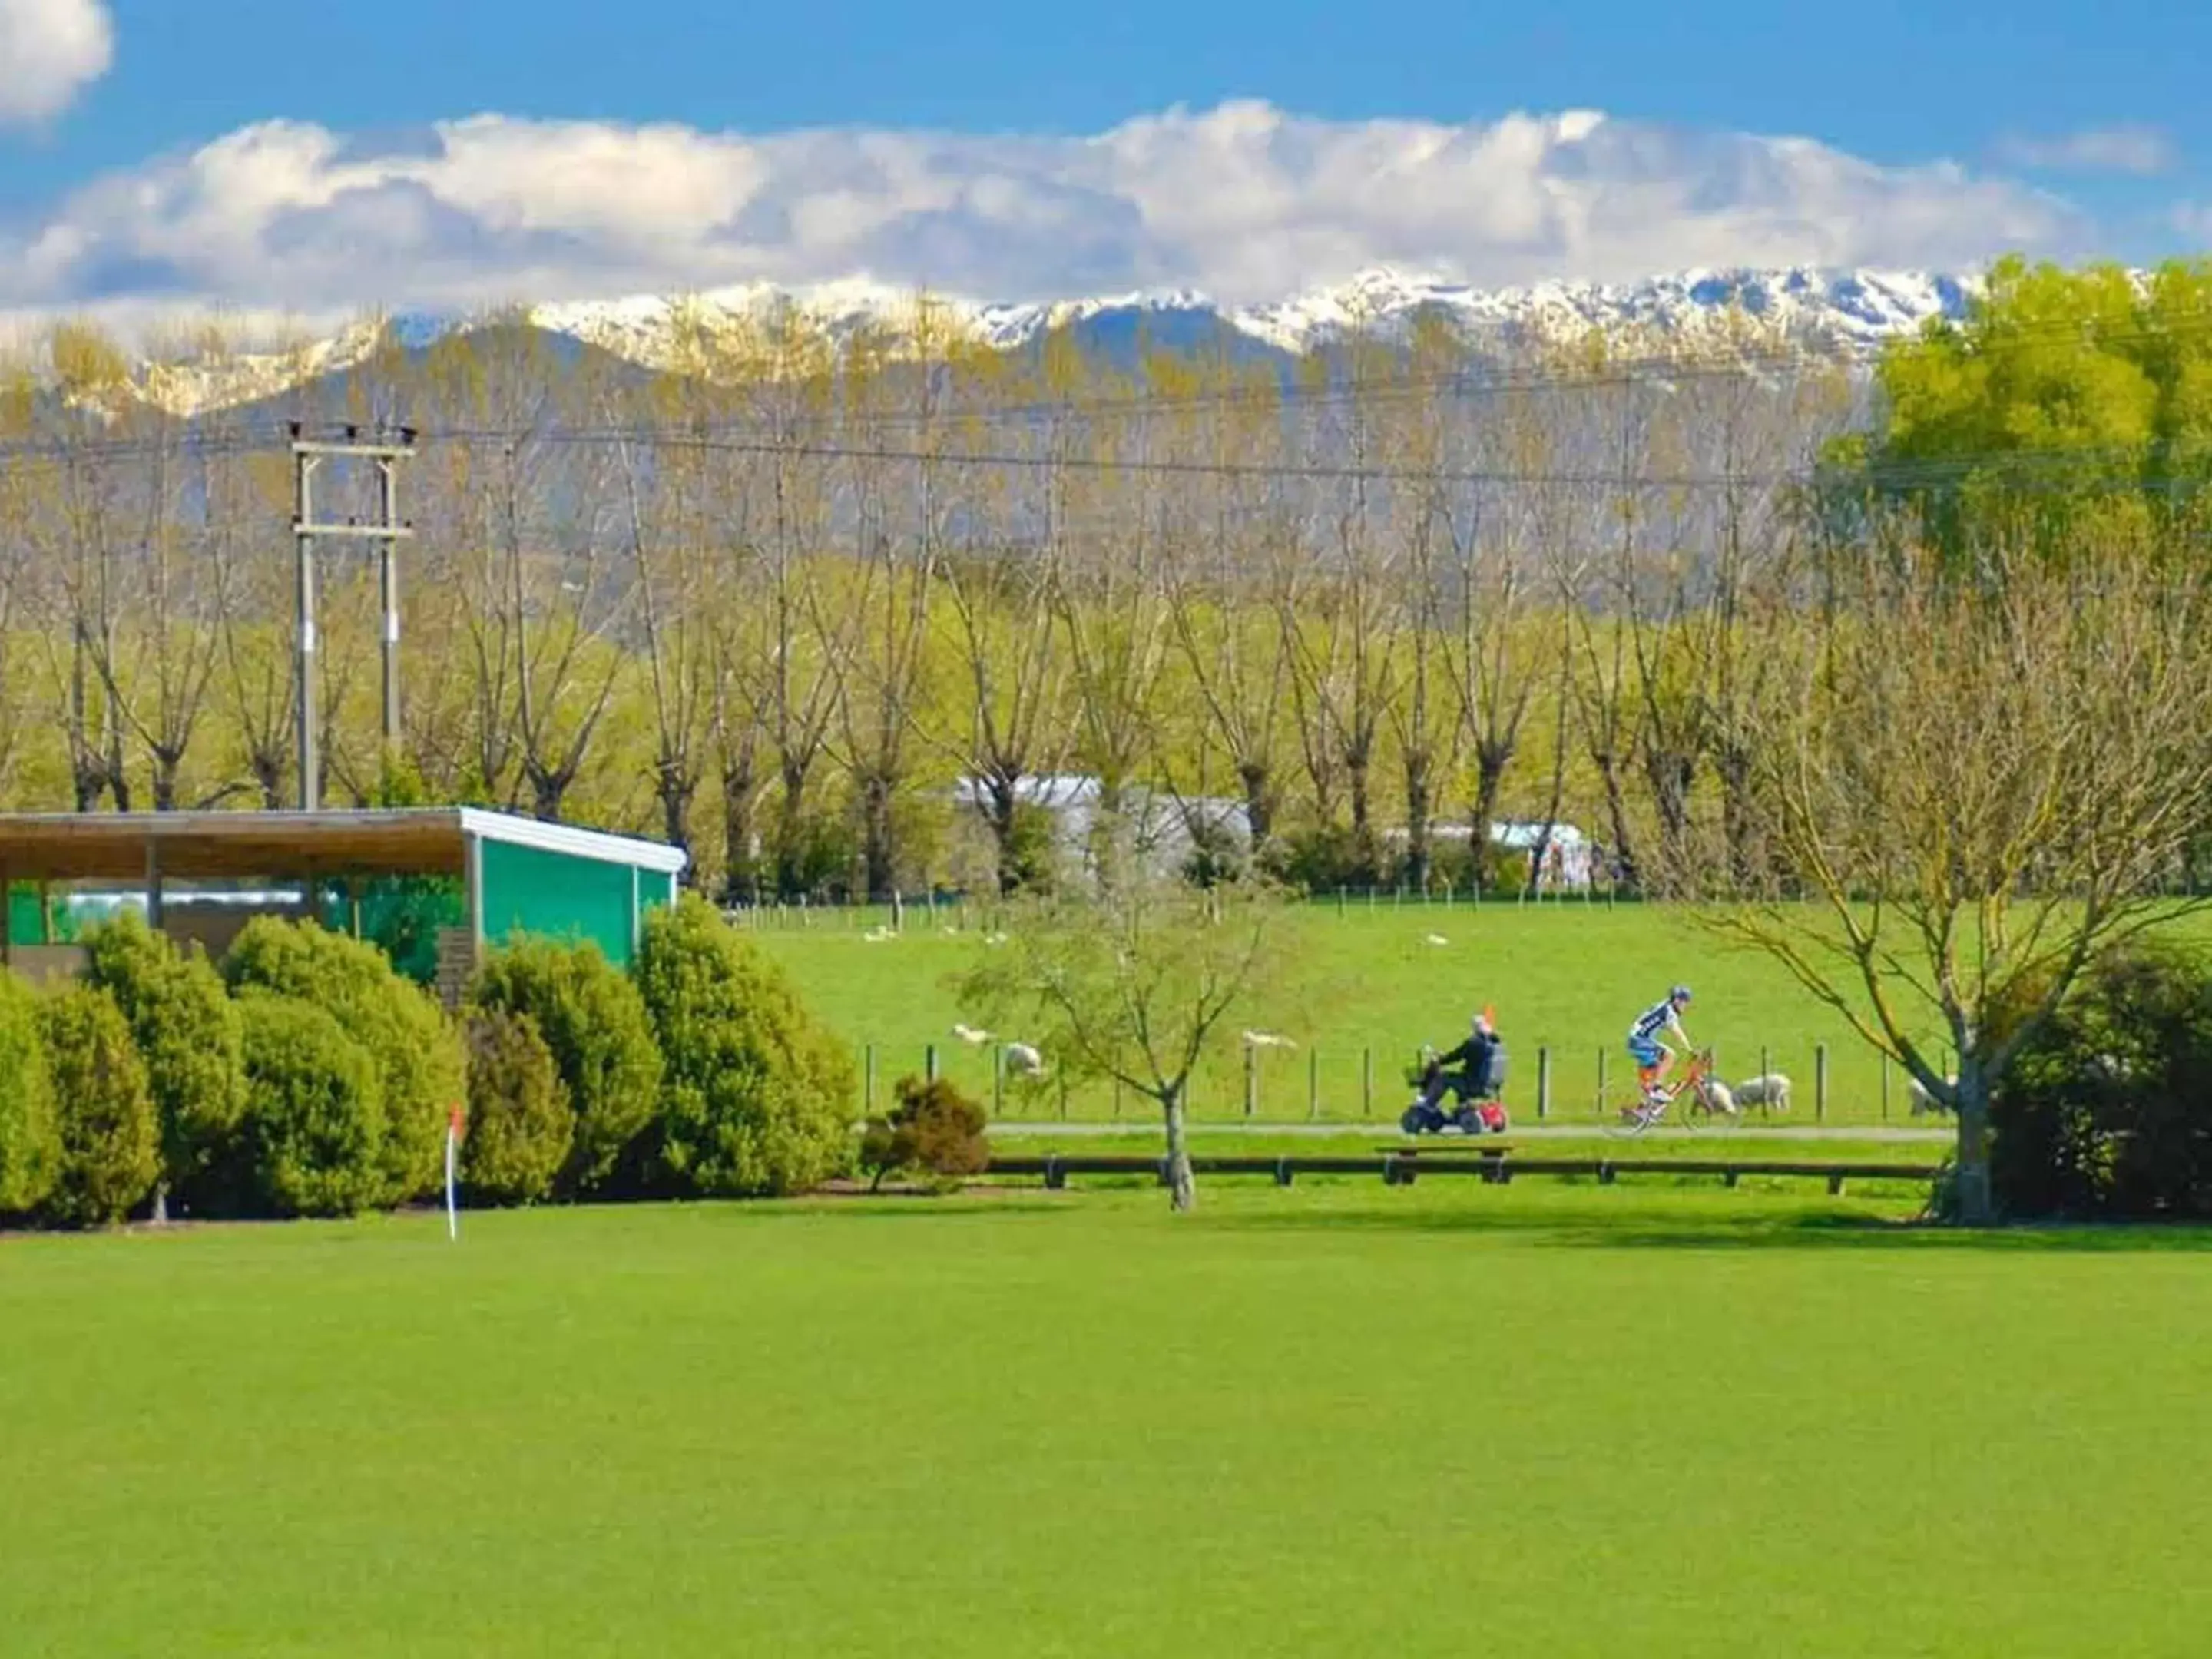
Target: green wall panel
555, 896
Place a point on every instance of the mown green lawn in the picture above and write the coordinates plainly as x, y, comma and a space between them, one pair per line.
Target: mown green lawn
1342, 1419
1368, 989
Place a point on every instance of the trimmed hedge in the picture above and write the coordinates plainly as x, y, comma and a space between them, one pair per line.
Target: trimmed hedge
315, 1109
755, 1097
187, 1030
593, 1020
110, 1131
416, 1048
521, 1124
30, 1126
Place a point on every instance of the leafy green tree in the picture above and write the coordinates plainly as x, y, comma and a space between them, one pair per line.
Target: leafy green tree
755, 1097
2066, 400
520, 1120
315, 1109
110, 1132
186, 1028
593, 1018
417, 1047
30, 1129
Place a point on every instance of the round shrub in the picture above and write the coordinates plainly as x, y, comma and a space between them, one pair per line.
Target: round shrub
315, 1108
755, 1097
30, 1130
416, 1048
186, 1030
110, 1132
521, 1124
931, 1127
590, 1015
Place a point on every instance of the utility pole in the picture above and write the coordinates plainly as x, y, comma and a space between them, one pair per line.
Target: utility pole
386, 531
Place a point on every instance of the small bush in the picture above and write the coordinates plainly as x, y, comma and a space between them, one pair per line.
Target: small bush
186, 1030
932, 1127
592, 1018
521, 1124
755, 1097
110, 1132
416, 1048
30, 1129
2107, 1110
314, 1109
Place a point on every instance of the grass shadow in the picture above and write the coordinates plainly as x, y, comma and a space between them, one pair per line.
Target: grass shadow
1702, 1225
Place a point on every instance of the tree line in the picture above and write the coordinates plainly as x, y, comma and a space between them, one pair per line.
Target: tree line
771, 599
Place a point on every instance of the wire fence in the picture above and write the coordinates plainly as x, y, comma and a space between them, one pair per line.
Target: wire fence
1353, 1084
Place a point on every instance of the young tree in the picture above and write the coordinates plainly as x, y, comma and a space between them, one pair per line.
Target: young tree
1977, 785
1136, 986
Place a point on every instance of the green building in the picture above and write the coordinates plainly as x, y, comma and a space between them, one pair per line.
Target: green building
434, 886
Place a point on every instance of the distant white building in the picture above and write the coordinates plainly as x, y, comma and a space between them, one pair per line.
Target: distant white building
1570, 856
1160, 825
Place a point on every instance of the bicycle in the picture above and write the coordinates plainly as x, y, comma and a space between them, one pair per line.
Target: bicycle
1625, 1116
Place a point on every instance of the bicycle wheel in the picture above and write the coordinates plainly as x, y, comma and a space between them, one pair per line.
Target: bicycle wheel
1625, 1116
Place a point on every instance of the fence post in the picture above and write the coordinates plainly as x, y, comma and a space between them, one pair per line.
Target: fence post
1367, 1083
1885, 1088
1313, 1084
998, 1079
1063, 1094
1543, 1083
1820, 1083
1117, 1100
1599, 1105
868, 1080
929, 1064
1765, 1107
1251, 1079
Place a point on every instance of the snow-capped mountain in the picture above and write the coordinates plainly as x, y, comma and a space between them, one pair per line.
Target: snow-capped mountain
1847, 314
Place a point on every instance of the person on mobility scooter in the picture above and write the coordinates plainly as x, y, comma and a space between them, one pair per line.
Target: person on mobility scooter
1474, 1087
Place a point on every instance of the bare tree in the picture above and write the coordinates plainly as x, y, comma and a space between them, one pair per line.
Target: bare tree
1978, 785
1136, 985
998, 590
1234, 541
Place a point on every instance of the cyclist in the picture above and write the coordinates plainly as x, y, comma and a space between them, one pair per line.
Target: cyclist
1654, 1058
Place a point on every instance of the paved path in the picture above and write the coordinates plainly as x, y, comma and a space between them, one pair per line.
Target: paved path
1586, 1130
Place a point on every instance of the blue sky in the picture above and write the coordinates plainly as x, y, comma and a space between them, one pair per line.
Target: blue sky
2083, 129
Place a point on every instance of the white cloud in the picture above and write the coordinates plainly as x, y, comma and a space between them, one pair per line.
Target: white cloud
2144, 151
50, 51
1244, 202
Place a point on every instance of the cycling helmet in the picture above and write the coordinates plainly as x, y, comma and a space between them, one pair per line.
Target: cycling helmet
1680, 994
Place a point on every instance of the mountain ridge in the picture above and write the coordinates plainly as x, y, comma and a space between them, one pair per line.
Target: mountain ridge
1846, 314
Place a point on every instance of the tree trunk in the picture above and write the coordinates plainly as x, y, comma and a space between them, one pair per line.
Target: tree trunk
1259, 800
741, 870
1183, 1186
878, 843
1417, 822
1975, 1207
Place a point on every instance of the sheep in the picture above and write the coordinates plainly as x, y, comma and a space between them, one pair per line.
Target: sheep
1922, 1102
970, 1036
1770, 1091
1266, 1040
1023, 1060
1720, 1096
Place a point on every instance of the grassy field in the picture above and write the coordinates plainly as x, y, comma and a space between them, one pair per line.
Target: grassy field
1526, 1420
1563, 975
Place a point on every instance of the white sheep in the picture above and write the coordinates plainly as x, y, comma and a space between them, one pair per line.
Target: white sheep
1922, 1102
1266, 1040
970, 1036
1771, 1090
1021, 1058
